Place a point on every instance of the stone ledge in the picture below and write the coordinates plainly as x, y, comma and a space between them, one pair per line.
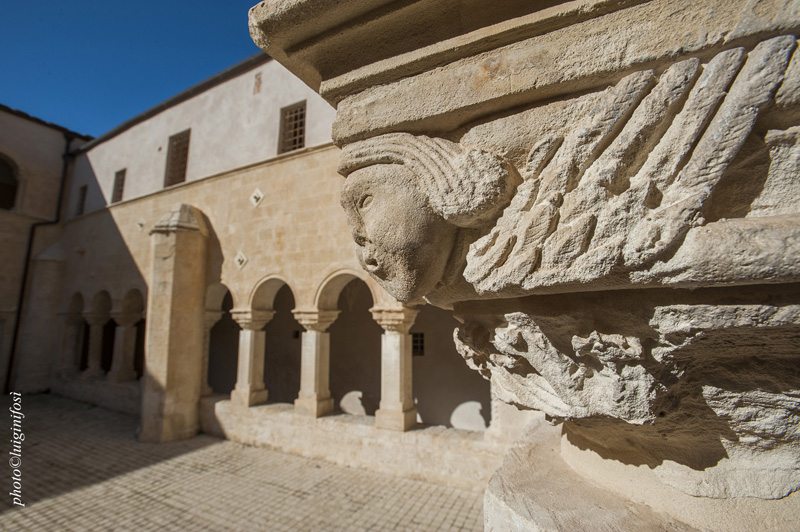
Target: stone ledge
125, 397
437, 454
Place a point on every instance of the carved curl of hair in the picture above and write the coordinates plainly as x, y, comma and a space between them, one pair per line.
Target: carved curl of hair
467, 187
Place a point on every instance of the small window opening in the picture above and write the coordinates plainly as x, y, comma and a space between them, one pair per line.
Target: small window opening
293, 127
119, 185
418, 344
81, 207
177, 158
8, 186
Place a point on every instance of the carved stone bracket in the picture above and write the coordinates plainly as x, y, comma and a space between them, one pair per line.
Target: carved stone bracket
252, 320
316, 320
395, 319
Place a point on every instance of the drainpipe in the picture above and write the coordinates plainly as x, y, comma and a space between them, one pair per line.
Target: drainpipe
68, 138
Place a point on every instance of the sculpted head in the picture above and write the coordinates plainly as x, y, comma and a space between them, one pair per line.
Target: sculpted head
406, 198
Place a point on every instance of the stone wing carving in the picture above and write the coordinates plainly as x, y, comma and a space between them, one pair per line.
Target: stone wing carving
622, 189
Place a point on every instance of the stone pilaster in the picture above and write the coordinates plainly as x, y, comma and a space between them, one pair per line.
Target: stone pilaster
96, 322
122, 369
250, 389
174, 337
210, 318
396, 410
315, 395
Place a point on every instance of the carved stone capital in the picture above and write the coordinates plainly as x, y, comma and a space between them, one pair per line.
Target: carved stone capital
96, 319
252, 320
316, 320
126, 319
395, 319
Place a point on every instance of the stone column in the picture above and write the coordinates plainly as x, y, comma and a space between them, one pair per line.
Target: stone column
96, 322
174, 333
315, 394
250, 389
211, 317
396, 410
122, 369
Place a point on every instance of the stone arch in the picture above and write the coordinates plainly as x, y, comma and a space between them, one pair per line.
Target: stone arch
9, 183
355, 343
282, 345
329, 290
263, 295
101, 303
133, 301
215, 293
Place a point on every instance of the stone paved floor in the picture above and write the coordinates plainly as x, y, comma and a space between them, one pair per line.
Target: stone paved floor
83, 470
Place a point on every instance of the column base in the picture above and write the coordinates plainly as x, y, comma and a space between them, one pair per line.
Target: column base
311, 406
395, 420
247, 398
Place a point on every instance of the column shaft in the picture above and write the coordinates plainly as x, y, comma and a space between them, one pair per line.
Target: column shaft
396, 410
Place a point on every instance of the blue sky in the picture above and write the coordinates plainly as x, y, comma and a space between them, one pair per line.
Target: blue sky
89, 65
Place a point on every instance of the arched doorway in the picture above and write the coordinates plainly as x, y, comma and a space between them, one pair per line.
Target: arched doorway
282, 349
355, 340
223, 343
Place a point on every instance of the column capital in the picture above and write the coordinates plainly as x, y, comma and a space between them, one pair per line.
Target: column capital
316, 320
96, 318
211, 317
395, 319
252, 320
126, 319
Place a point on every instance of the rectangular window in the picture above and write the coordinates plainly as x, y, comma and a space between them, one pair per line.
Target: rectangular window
81, 207
119, 185
177, 157
417, 344
293, 128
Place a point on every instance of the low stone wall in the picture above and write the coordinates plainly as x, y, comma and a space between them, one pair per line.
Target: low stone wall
435, 454
125, 397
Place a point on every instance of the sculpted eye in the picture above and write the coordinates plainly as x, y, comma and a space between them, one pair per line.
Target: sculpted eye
364, 202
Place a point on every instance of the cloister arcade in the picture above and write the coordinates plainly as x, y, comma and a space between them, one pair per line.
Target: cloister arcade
345, 354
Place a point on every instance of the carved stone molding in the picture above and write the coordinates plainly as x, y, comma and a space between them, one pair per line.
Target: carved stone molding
316, 320
252, 320
126, 319
395, 320
608, 201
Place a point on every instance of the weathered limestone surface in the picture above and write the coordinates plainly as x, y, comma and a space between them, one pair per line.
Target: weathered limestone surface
172, 386
606, 194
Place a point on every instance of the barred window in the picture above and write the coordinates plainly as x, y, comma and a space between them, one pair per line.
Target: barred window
417, 344
293, 128
177, 158
119, 185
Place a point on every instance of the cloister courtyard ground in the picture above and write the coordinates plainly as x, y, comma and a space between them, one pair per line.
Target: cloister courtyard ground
83, 470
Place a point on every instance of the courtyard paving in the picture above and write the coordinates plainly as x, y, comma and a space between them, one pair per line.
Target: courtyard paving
83, 470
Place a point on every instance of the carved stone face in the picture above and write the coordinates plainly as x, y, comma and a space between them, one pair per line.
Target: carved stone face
399, 239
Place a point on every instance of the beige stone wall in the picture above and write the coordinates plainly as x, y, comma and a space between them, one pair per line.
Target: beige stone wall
35, 150
297, 233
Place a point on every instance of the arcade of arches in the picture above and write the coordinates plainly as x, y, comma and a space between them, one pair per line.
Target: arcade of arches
284, 360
